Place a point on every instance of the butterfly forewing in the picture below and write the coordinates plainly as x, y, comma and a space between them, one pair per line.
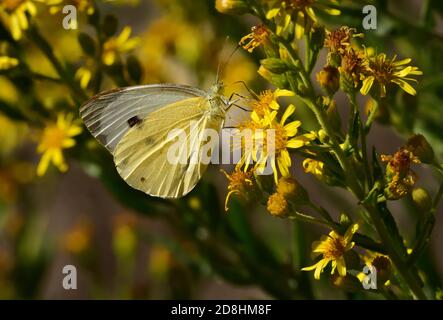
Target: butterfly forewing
141, 156
110, 115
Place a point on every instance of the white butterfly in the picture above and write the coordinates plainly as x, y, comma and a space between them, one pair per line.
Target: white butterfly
133, 124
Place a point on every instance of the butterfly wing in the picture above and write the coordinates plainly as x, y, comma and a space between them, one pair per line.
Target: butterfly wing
109, 115
142, 156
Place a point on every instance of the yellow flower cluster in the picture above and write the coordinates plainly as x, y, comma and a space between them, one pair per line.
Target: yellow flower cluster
15, 15
272, 136
283, 12
362, 67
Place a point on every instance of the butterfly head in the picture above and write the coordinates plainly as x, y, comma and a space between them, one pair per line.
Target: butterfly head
217, 89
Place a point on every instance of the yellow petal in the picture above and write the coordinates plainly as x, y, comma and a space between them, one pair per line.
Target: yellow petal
43, 164
350, 232
295, 143
405, 86
288, 112
367, 85
272, 13
291, 128
283, 93
341, 267
402, 62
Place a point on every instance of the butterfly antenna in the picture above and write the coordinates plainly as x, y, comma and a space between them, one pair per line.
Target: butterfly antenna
222, 65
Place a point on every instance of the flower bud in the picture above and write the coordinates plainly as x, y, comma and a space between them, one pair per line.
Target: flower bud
384, 270
421, 199
329, 79
277, 205
293, 191
421, 148
232, 6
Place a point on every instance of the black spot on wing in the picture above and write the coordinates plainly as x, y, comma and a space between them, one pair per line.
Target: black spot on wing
135, 120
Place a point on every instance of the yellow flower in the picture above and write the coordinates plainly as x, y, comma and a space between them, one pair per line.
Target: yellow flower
56, 137
333, 248
258, 36
399, 175
339, 41
285, 136
277, 205
81, 5
353, 67
314, 167
7, 62
303, 11
239, 183
383, 71
118, 45
267, 101
259, 122
15, 14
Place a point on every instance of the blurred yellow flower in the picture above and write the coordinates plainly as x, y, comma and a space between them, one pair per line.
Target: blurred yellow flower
56, 137
15, 14
169, 42
160, 259
383, 71
333, 248
7, 62
81, 5
115, 46
78, 239
303, 11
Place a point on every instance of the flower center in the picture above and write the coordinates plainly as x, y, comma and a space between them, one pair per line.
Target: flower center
239, 179
335, 248
265, 99
53, 137
383, 71
281, 138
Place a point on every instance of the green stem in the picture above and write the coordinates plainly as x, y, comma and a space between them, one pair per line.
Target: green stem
394, 255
